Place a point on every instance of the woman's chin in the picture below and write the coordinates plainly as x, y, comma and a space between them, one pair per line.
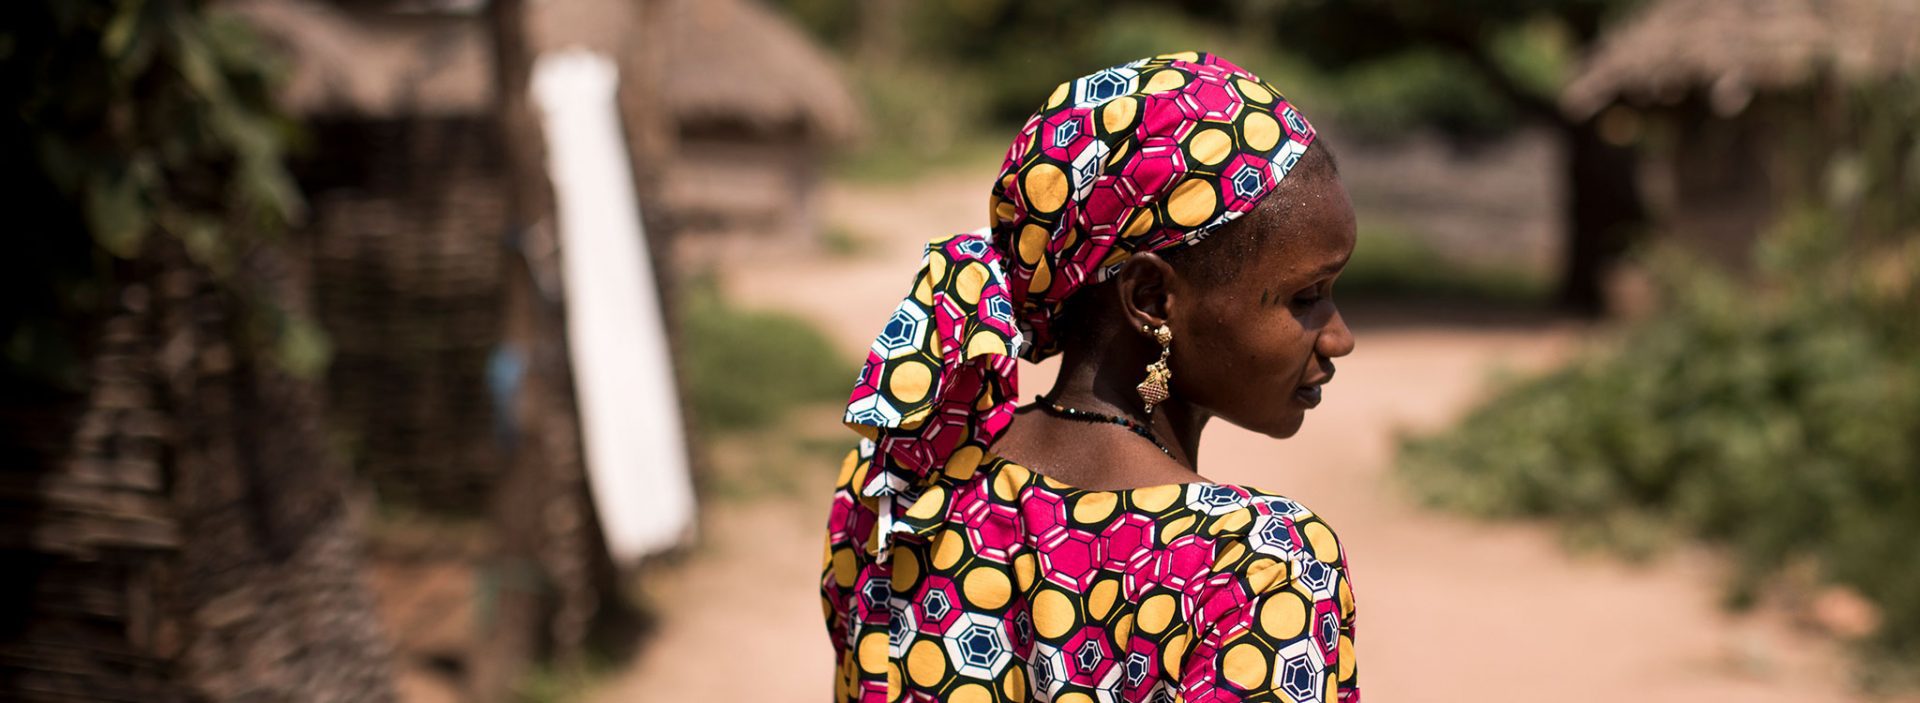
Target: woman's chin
1284, 425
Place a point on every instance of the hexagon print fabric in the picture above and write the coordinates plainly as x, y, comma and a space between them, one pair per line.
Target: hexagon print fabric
1004, 585
951, 574
1144, 156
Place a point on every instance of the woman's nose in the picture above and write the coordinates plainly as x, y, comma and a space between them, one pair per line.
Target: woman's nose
1336, 340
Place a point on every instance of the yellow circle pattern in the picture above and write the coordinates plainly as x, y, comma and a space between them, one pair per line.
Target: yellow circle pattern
1261, 131
910, 380
1046, 188
1033, 243
1210, 146
1157, 498
948, 548
1283, 616
1246, 662
1118, 114
987, 587
926, 663
1193, 202
1325, 547
1164, 81
1253, 91
1054, 614
969, 281
1094, 507
971, 693
1245, 665
1157, 613
1122, 570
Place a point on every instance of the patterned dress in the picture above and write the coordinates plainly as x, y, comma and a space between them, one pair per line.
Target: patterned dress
1005, 585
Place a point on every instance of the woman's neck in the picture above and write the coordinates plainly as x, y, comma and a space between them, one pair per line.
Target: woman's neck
1101, 455
1106, 384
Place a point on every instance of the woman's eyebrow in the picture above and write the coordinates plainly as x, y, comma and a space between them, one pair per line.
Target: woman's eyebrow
1330, 267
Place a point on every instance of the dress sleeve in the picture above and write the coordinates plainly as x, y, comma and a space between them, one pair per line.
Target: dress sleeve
1285, 624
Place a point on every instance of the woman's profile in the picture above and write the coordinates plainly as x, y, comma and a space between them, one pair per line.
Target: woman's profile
1172, 229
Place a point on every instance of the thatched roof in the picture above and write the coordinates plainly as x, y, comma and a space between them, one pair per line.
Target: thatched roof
1736, 48
377, 62
720, 61
738, 61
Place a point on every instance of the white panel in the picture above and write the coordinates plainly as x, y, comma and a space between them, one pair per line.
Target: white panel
630, 416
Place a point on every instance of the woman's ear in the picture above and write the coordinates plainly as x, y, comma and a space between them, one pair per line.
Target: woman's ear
1145, 283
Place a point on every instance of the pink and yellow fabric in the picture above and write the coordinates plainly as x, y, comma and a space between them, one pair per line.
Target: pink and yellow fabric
1143, 156
1010, 586
953, 574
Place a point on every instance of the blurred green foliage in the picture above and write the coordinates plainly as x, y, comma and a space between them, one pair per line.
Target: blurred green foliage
1782, 421
1364, 69
745, 368
564, 683
988, 63
1775, 413
126, 121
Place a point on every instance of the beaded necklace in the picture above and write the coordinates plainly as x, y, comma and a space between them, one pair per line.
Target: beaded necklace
1059, 410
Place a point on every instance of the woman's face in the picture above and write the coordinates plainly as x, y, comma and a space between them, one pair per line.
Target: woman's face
1256, 348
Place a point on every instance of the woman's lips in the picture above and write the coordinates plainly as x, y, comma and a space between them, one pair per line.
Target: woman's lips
1308, 395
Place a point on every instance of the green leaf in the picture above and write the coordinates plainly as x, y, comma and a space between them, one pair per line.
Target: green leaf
202, 237
303, 347
115, 212
196, 61
121, 29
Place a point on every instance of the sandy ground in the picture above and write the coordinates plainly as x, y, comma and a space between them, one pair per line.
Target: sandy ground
1450, 609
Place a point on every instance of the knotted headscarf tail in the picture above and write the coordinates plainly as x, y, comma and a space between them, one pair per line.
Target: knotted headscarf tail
1144, 156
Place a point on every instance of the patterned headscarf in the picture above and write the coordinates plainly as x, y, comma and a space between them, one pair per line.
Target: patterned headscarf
1144, 156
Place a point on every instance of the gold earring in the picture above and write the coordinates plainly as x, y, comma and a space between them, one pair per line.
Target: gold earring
1156, 388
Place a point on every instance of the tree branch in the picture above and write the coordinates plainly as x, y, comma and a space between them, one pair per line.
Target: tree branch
1475, 53
1468, 44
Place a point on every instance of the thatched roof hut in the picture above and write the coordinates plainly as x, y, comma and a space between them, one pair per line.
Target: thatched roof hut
738, 63
735, 63
1737, 49
410, 177
754, 102
1735, 103
375, 62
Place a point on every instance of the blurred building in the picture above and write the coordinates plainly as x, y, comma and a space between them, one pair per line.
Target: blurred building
404, 175
432, 242
181, 526
177, 529
754, 104
1734, 102
449, 386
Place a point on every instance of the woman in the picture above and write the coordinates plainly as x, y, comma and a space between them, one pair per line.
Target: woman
1169, 227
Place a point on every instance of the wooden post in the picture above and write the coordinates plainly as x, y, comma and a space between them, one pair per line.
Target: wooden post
536, 506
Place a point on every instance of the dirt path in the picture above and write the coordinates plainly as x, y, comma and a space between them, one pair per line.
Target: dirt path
1450, 609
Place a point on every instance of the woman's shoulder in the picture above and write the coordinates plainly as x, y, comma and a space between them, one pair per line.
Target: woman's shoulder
1253, 523
1268, 547
1240, 522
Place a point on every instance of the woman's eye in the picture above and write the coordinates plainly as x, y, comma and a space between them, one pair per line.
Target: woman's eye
1307, 299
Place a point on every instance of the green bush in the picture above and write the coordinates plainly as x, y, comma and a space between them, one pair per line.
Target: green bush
1779, 418
745, 368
